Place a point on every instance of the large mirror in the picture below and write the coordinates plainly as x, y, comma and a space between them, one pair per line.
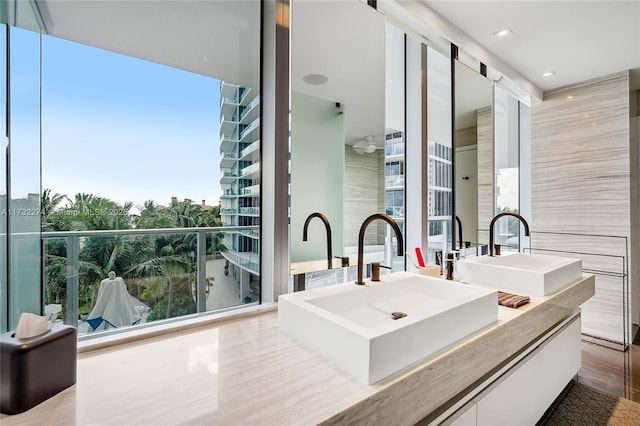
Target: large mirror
487, 159
474, 152
346, 163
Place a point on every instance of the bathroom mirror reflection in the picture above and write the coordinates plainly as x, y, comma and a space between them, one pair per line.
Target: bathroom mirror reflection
474, 151
507, 168
345, 162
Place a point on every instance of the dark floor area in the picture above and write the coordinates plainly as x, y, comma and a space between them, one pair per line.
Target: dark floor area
611, 371
581, 405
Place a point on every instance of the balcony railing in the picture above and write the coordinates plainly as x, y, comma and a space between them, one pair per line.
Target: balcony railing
250, 210
250, 190
394, 149
229, 173
253, 233
252, 147
232, 118
249, 261
395, 211
229, 156
231, 137
254, 125
251, 169
250, 107
393, 181
162, 285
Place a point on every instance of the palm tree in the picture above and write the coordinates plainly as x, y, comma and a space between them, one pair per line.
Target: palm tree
153, 216
162, 265
161, 275
49, 203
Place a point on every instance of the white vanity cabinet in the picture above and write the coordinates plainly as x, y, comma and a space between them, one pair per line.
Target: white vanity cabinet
466, 416
521, 394
516, 398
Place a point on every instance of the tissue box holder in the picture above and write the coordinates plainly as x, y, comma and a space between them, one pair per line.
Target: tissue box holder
34, 369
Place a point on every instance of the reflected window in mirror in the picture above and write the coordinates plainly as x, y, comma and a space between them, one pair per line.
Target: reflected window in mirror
507, 169
439, 167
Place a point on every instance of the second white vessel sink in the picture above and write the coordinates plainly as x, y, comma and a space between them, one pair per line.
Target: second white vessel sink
528, 274
354, 327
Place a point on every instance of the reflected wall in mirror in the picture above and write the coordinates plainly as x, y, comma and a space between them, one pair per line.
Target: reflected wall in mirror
346, 163
474, 176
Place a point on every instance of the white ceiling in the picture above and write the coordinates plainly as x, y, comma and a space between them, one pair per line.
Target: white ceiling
345, 41
579, 40
473, 91
203, 37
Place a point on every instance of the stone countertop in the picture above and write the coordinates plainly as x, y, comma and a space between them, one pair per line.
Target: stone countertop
245, 371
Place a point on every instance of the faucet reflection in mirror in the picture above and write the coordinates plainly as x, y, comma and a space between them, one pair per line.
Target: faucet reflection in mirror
363, 228
461, 244
493, 222
327, 226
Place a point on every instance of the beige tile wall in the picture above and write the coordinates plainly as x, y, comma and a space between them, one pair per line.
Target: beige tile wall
486, 172
581, 180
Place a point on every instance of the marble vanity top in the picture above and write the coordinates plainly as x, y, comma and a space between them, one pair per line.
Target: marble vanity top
313, 266
246, 371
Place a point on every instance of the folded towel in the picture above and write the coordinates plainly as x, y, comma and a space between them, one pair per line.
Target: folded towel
512, 300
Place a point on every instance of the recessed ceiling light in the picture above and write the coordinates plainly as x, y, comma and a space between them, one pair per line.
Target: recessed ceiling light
315, 79
570, 97
548, 73
503, 33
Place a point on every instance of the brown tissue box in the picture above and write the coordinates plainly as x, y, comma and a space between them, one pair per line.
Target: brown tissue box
34, 369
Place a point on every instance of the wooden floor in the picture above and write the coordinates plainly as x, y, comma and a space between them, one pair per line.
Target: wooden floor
611, 371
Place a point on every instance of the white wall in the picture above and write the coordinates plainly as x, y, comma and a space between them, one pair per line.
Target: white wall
394, 76
317, 175
467, 190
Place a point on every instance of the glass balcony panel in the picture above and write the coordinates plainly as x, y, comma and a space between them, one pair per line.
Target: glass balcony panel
159, 274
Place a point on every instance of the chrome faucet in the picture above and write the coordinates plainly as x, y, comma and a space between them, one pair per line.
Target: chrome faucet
327, 226
493, 222
363, 228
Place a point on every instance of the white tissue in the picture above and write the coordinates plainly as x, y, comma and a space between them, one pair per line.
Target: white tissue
31, 325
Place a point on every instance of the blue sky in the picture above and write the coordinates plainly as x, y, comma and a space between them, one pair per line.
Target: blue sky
123, 128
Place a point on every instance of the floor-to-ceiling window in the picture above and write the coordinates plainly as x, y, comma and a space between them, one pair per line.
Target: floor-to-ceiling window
139, 155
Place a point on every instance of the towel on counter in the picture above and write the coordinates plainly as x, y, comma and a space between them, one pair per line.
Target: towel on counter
512, 300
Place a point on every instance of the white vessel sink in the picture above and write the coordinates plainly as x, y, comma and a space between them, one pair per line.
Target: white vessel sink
352, 326
527, 274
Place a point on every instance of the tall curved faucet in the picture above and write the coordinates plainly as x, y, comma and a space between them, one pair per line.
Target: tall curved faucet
493, 222
327, 226
459, 232
363, 228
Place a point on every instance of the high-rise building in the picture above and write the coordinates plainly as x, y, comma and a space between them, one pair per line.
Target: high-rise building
240, 181
394, 181
440, 193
